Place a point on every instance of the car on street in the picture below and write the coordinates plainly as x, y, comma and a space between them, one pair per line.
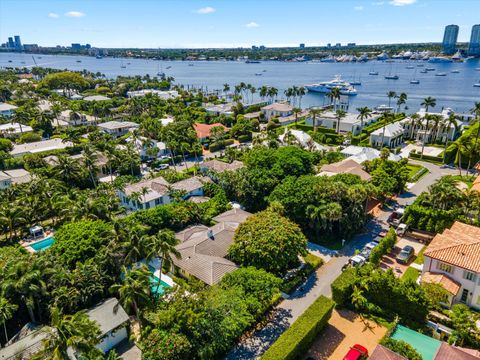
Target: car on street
406, 254
356, 352
162, 167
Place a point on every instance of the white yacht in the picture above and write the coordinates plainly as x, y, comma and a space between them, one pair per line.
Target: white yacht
326, 86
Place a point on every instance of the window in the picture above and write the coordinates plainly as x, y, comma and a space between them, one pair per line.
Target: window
444, 267
147, 205
469, 275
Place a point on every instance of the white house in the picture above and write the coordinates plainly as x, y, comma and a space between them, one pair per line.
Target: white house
350, 123
14, 176
117, 128
69, 118
360, 154
220, 109
39, 146
391, 134
302, 138
165, 95
7, 110
452, 260
279, 109
142, 144
96, 98
112, 321
14, 128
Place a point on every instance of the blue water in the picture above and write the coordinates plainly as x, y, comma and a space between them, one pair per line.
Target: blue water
454, 90
154, 283
44, 244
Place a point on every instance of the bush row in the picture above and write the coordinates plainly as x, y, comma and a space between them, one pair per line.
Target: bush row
385, 246
219, 145
342, 287
428, 158
294, 342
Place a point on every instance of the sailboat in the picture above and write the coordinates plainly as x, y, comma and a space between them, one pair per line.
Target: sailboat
373, 72
123, 66
415, 81
160, 71
355, 82
390, 76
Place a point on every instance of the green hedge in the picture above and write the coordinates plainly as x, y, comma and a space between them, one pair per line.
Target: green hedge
342, 287
385, 246
220, 145
244, 138
428, 158
295, 342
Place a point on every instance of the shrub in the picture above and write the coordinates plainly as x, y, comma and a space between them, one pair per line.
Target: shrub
342, 287
401, 348
244, 138
385, 246
294, 342
29, 137
161, 345
427, 158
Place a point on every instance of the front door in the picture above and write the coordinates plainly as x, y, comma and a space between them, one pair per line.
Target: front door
464, 296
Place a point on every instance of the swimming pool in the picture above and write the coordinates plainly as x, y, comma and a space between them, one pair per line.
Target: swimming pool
425, 345
154, 283
43, 244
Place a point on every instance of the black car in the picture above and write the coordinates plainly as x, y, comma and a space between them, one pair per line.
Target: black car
406, 254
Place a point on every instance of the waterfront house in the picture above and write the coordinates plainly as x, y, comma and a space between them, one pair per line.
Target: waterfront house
347, 166
112, 321
13, 128
12, 177
71, 118
39, 147
278, 109
165, 95
220, 109
390, 134
117, 128
204, 249
350, 123
204, 130
7, 110
452, 260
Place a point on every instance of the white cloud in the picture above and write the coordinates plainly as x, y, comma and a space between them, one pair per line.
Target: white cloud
53, 15
205, 10
75, 14
358, 8
252, 24
378, 3
402, 2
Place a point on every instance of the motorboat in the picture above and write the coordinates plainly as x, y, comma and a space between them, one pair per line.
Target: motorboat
476, 84
455, 71
441, 74
382, 56
328, 59
439, 59
252, 62
391, 77
345, 87
258, 74
168, 67
415, 81
373, 73
424, 71
430, 69
410, 67
383, 108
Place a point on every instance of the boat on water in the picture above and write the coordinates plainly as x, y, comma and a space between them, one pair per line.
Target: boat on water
410, 67
373, 73
264, 70
391, 77
99, 57
128, 63
168, 67
252, 62
190, 64
415, 81
383, 108
258, 74
424, 71
455, 71
9, 60
345, 87
420, 65
441, 74
79, 61
476, 84
430, 69
328, 59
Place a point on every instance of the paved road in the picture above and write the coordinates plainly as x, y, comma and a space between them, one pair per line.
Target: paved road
319, 282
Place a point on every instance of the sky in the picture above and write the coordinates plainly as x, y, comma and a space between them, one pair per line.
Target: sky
233, 23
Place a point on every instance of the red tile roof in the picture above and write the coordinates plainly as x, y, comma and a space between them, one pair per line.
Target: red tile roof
383, 353
476, 184
448, 352
203, 130
448, 284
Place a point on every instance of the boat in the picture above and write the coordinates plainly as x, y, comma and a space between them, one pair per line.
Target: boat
168, 67
99, 56
382, 56
337, 83
420, 65
264, 70
373, 73
477, 69
123, 66
356, 83
79, 61
383, 108
128, 63
410, 67
430, 69
9, 60
455, 71
476, 84
391, 77
415, 81
39, 57
258, 74
252, 62
328, 59
439, 59
190, 64
441, 74
424, 71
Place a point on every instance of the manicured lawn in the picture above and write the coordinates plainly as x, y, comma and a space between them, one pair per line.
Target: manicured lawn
411, 273
415, 172
419, 259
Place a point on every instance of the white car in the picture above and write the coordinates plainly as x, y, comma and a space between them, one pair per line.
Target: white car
357, 260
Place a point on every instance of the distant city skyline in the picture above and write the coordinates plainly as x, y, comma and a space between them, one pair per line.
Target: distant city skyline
200, 24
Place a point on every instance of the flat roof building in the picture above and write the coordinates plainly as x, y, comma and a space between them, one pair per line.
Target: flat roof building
474, 46
450, 36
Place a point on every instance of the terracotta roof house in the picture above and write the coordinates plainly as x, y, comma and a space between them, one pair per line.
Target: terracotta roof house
449, 352
220, 166
382, 353
346, 166
453, 260
204, 249
204, 130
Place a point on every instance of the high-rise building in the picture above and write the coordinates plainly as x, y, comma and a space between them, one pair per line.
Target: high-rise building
302, 46
18, 42
474, 47
449, 44
11, 44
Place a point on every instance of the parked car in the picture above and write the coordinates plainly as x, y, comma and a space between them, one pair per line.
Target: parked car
402, 229
162, 167
357, 260
395, 217
356, 352
406, 254
371, 245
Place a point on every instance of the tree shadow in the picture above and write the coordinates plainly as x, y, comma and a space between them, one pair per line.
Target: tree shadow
305, 287
326, 343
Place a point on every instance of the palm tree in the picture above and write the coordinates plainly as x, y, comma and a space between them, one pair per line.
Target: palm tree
334, 95
324, 215
363, 114
66, 167
6, 313
75, 332
296, 111
263, 92
90, 159
459, 147
451, 120
272, 93
339, 115
300, 92
427, 126
162, 245
314, 112
391, 95
402, 99
414, 122
428, 102
135, 288
226, 88
11, 216
436, 121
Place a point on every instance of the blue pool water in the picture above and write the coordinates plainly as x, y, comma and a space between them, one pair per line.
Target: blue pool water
158, 290
44, 244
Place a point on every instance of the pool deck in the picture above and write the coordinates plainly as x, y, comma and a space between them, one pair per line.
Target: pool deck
28, 243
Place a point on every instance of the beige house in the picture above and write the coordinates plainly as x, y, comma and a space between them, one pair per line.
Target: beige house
278, 109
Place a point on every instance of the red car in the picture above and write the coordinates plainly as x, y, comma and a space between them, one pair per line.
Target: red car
356, 352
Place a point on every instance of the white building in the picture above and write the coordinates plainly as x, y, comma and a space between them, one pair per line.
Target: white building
390, 134
360, 154
14, 128
7, 110
452, 260
14, 176
39, 146
301, 138
70, 118
220, 109
278, 109
165, 95
142, 145
350, 123
117, 128
96, 98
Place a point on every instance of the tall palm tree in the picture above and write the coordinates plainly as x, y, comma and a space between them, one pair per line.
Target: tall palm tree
75, 332
339, 115
391, 95
162, 245
314, 112
7, 310
402, 99
296, 111
447, 123
66, 167
459, 146
11, 217
263, 92
301, 93
363, 114
226, 88
414, 122
436, 121
428, 103
427, 118
135, 288
272, 93
334, 96
90, 160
